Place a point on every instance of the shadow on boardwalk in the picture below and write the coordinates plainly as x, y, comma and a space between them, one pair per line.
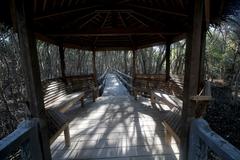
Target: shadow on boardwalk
117, 127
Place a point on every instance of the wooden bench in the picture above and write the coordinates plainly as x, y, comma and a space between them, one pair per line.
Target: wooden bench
84, 83
172, 106
145, 83
58, 98
57, 123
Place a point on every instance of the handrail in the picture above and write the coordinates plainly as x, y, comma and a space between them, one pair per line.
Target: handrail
202, 137
24, 137
123, 74
125, 79
100, 78
101, 82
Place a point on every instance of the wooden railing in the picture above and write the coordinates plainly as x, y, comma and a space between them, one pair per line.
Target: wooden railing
101, 82
125, 79
23, 143
202, 138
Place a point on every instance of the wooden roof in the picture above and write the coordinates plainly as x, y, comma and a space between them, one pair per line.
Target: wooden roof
101, 24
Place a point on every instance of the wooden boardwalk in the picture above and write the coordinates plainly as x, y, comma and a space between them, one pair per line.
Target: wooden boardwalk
117, 127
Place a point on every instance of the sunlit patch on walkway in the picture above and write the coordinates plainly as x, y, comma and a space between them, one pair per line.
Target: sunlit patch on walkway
117, 127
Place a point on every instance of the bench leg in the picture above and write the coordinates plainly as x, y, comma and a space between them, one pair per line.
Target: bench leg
82, 101
94, 95
135, 94
153, 99
67, 136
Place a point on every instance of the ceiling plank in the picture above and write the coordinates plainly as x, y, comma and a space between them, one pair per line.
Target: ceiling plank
103, 24
73, 22
35, 6
62, 2
69, 2
44, 5
131, 15
182, 4
65, 12
159, 10
125, 26
88, 21
146, 17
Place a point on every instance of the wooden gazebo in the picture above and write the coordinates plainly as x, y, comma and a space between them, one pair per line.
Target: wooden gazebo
112, 25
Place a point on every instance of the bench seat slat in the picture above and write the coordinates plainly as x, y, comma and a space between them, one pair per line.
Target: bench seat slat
172, 117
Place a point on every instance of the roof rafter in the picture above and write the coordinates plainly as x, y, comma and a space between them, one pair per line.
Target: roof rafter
144, 16
73, 22
131, 15
125, 26
82, 25
159, 10
44, 5
104, 22
65, 12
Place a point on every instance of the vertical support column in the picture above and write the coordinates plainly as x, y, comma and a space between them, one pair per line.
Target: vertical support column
21, 14
62, 61
94, 66
168, 52
95, 91
203, 54
192, 73
133, 63
133, 71
125, 62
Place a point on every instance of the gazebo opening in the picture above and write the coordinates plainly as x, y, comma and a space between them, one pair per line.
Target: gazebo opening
129, 79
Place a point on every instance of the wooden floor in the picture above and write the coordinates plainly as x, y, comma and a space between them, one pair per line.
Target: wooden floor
117, 127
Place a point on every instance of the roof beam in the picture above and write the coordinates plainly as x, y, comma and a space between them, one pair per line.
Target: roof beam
115, 32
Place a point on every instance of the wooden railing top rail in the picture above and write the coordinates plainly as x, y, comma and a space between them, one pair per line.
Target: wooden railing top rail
24, 137
150, 76
202, 138
125, 82
83, 77
123, 74
103, 75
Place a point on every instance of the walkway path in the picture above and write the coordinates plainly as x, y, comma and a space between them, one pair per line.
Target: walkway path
117, 127
114, 87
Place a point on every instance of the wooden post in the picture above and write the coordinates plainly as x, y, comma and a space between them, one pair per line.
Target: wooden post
192, 73
133, 71
125, 62
203, 54
21, 14
94, 75
94, 64
133, 63
67, 136
168, 52
62, 61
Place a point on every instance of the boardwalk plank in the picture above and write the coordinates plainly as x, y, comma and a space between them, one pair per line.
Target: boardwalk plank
116, 127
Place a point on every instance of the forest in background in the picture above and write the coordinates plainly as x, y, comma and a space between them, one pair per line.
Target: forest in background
221, 63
